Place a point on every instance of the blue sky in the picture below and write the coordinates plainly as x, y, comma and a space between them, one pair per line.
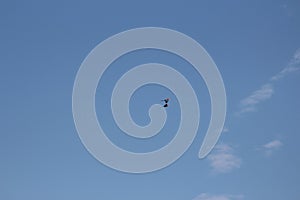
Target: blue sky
255, 45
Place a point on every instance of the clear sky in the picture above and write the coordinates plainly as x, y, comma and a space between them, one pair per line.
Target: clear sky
255, 45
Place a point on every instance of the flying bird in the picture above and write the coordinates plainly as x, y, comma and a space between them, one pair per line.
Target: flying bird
166, 102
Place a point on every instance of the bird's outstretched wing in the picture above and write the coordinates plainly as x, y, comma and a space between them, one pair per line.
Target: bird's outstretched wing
166, 100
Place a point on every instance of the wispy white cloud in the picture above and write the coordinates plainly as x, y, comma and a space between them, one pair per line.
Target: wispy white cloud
248, 104
271, 146
275, 144
266, 91
223, 159
293, 65
284, 72
205, 196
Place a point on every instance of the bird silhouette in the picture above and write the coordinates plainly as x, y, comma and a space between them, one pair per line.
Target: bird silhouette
166, 102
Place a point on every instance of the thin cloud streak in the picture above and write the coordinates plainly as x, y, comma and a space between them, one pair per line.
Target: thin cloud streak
266, 91
293, 66
271, 146
275, 144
